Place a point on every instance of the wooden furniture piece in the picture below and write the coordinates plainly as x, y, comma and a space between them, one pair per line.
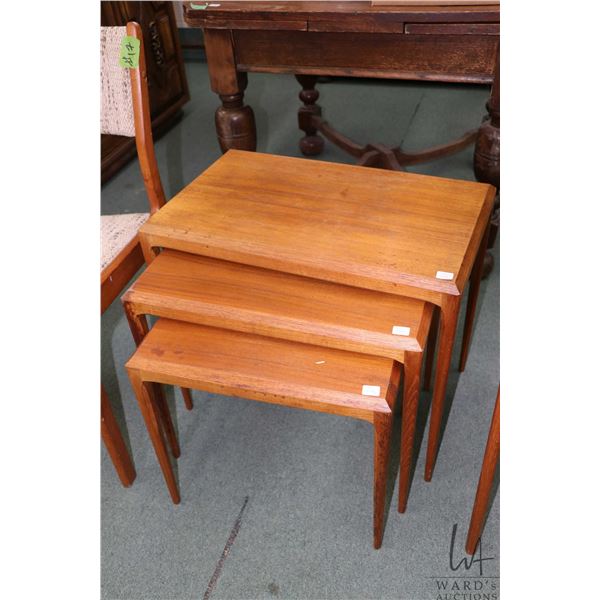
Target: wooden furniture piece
268, 370
486, 479
207, 291
114, 442
125, 109
165, 71
393, 232
129, 115
435, 3
353, 38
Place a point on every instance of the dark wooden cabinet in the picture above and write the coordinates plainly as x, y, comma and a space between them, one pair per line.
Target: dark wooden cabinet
167, 83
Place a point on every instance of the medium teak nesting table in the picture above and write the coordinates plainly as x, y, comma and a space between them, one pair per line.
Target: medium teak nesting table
346, 347
399, 233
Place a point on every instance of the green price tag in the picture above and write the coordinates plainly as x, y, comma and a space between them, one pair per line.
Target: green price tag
198, 6
130, 52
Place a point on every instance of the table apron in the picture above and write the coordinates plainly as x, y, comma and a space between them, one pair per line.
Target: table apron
447, 58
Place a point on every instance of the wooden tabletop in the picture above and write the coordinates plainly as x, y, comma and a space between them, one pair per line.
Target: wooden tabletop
266, 369
359, 226
207, 291
270, 10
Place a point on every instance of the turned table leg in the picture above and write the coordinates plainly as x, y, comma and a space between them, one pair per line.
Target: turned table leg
235, 123
486, 160
312, 143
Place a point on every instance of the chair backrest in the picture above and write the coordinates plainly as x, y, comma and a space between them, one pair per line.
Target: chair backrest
125, 106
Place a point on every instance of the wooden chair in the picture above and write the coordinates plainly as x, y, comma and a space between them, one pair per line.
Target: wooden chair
125, 111
270, 370
486, 479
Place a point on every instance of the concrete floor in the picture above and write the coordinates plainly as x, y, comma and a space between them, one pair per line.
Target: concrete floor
305, 530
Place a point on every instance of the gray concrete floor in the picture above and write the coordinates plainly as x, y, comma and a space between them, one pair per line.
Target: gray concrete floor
306, 529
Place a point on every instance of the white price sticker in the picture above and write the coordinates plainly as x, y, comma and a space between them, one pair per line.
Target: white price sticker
371, 390
400, 330
444, 275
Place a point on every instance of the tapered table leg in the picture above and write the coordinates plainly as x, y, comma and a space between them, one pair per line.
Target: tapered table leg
162, 409
410, 407
114, 442
151, 417
138, 324
382, 436
187, 398
448, 320
486, 479
430, 350
474, 286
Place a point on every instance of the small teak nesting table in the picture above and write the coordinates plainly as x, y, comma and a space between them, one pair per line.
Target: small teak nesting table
394, 232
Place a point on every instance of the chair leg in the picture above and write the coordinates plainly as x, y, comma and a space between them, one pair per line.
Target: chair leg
382, 424
187, 398
113, 440
410, 407
138, 324
430, 350
486, 478
150, 414
474, 286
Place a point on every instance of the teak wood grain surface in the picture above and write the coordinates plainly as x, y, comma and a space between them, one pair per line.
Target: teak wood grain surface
207, 291
269, 370
233, 363
375, 229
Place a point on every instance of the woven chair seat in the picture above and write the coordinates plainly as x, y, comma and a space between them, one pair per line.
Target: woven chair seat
117, 232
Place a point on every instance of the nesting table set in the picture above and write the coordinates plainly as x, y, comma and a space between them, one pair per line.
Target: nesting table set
311, 285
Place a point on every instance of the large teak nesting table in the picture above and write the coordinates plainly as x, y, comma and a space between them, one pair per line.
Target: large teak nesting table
401, 233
